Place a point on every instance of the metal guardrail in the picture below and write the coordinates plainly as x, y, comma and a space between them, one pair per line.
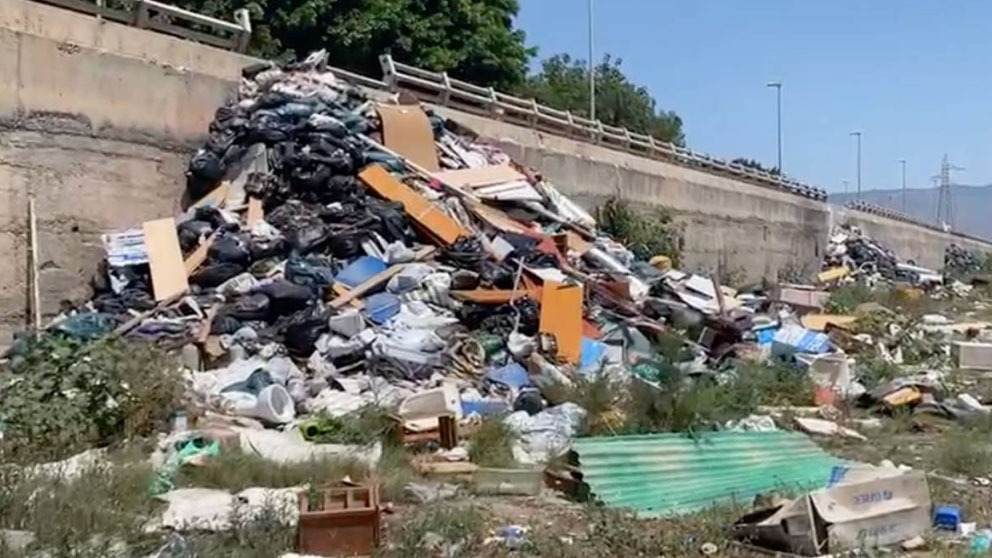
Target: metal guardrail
873, 209
441, 89
171, 20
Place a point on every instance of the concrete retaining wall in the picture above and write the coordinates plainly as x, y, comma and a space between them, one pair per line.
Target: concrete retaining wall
98, 119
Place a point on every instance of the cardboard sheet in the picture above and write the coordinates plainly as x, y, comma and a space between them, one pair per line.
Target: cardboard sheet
483, 176
561, 316
165, 258
818, 322
422, 210
868, 507
407, 131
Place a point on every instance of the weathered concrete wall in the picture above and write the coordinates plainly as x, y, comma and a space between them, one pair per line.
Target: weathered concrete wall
729, 223
97, 121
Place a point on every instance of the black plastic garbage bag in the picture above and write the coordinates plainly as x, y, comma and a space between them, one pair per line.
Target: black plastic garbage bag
213, 275
231, 248
253, 306
310, 272
286, 298
190, 233
224, 324
300, 336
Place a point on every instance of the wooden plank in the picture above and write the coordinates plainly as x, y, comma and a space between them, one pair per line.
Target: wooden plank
407, 131
422, 210
196, 259
371, 283
165, 258
215, 198
482, 176
255, 211
561, 316
493, 296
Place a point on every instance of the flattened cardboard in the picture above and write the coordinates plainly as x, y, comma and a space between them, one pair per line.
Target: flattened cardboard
819, 322
870, 507
165, 258
407, 131
561, 316
427, 214
478, 177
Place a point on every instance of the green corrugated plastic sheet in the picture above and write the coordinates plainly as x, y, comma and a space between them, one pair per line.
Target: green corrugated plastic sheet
670, 474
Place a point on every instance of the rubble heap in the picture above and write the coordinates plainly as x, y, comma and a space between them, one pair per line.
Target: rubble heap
849, 247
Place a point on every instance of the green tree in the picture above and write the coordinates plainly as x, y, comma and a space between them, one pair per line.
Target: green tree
563, 84
473, 40
753, 164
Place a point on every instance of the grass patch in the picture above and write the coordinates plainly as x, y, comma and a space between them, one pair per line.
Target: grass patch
492, 443
844, 299
236, 471
393, 473
60, 397
437, 531
94, 514
679, 403
610, 532
363, 427
263, 536
964, 452
645, 233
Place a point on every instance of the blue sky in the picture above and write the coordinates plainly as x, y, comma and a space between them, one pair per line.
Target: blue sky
915, 76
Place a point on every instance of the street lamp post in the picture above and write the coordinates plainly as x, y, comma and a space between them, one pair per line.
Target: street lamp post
857, 134
903, 163
778, 103
592, 70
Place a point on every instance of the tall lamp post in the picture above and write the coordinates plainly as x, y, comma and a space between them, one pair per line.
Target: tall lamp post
778, 104
903, 163
592, 70
857, 134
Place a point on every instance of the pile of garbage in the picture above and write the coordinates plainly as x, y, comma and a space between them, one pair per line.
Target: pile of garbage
339, 253
960, 260
850, 249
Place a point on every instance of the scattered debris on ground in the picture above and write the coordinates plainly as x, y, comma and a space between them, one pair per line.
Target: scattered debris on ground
370, 333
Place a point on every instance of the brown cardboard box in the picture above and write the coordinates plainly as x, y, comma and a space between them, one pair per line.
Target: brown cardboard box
870, 507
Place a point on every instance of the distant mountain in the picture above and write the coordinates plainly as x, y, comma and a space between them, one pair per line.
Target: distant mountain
971, 205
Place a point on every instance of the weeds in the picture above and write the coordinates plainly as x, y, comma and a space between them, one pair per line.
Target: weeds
646, 234
236, 471
264, 535
611, 532
492, 443
964, 452
93, 514
363, 427
844, 299
60, 396
679, 403
437, 531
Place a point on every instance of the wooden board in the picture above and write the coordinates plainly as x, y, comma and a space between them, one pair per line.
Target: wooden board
196, 259
407, 131
215, 198
422, 210
482, 176
165, 258
561, 316
255, 212
493, 296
